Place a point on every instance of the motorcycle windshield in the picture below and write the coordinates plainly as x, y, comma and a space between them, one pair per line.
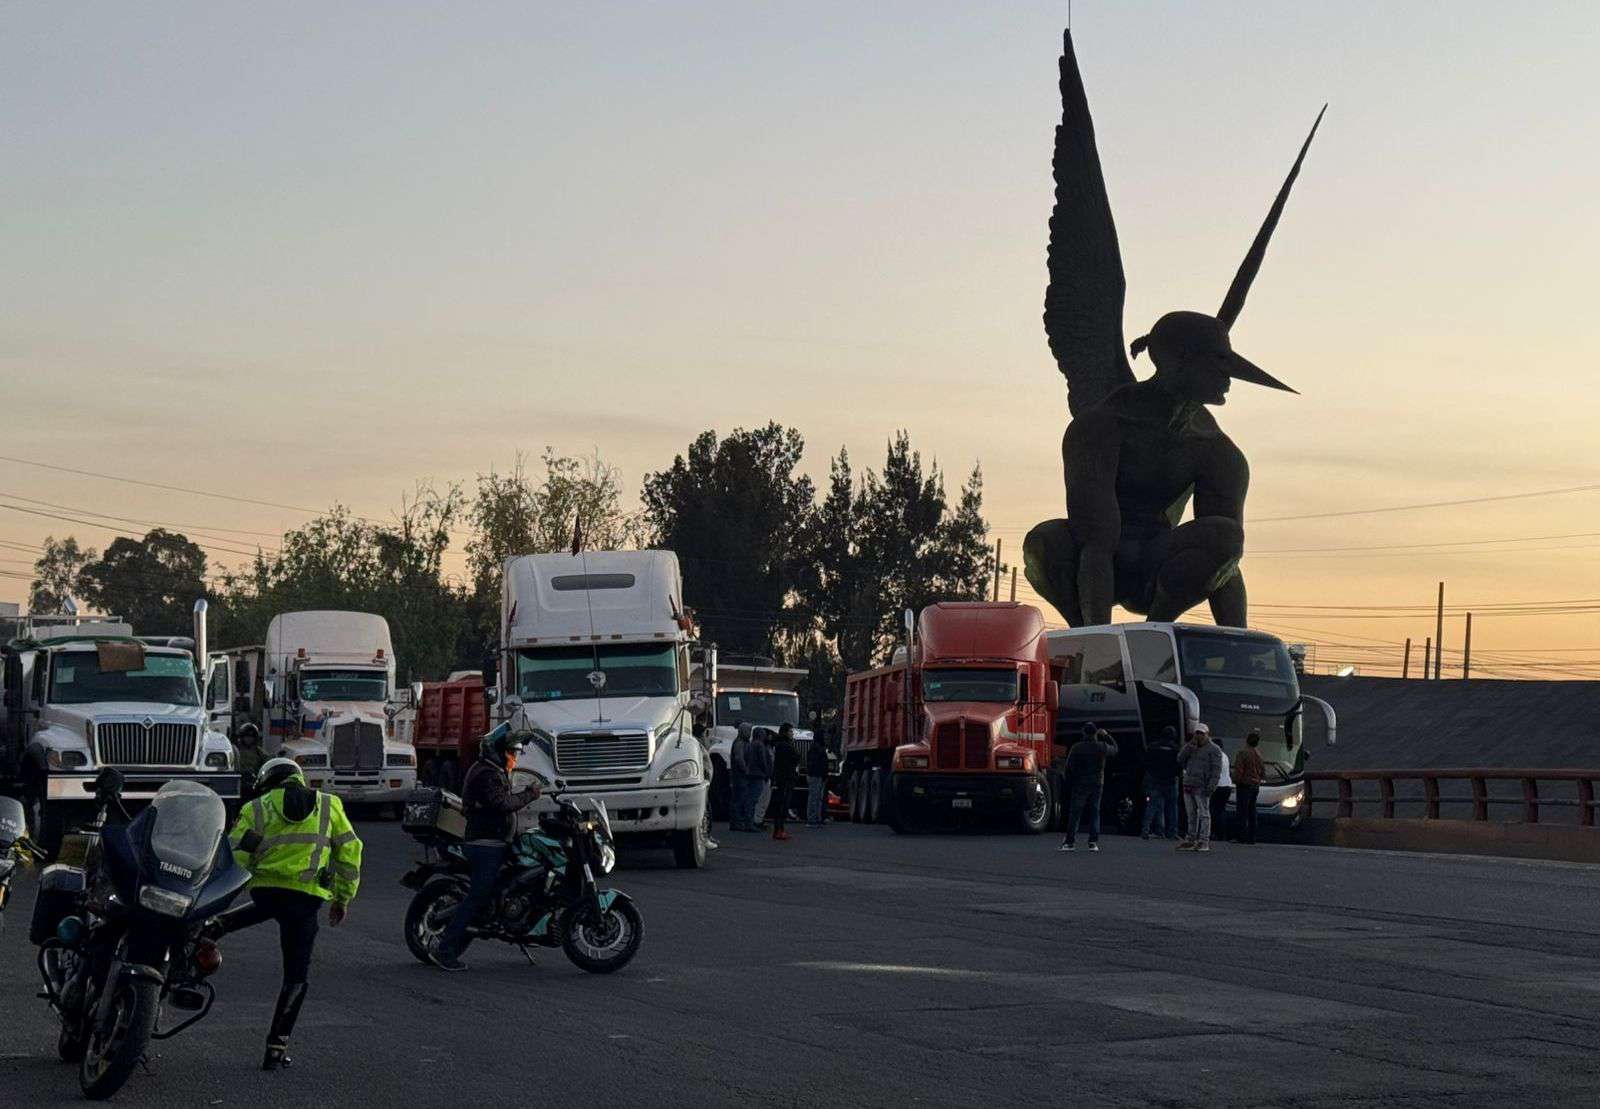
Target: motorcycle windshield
189, 823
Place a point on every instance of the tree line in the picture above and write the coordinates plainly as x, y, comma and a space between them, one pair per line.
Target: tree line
770, 569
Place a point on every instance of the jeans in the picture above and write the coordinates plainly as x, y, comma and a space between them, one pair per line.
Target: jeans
1247, 811
1084, 799
763, 800
753, 788
483, 863
1219, 811
1161, 807
816, 798
1197, 808
737, 788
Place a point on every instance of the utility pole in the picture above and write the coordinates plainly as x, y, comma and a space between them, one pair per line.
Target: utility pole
1014, 587
1405, 660
1438, 636
1466, 651
1427, 654
997, 544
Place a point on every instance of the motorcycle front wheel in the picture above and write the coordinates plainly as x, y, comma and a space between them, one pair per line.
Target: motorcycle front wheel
117, 1043
604, 943
429, 915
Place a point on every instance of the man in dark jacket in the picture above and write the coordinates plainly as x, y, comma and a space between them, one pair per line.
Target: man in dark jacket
760, 767
816, 781
1086, 777
739, 779
490, 807
1161, 785
1248, 771
785, 772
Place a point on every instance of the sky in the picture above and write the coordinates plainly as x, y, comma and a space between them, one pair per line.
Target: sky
308, 253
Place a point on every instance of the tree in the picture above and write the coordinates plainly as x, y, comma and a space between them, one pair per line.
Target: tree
152, 582
57, 574
339, 561
734, 510
510, 515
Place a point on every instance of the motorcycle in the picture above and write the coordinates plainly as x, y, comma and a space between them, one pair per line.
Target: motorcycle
546, 896
118, 923
16, 849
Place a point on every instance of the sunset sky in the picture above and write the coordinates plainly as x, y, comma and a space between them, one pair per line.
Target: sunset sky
308, 253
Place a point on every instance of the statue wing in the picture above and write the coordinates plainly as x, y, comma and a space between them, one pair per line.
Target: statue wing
1084, 300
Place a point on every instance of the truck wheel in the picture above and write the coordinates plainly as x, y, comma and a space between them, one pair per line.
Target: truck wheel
689, 846
721, 799
1038, 806
874, 795
47, 823
853, 784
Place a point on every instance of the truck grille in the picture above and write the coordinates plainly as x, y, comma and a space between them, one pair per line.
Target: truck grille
601, 754
961, 743
356, 745
131, 743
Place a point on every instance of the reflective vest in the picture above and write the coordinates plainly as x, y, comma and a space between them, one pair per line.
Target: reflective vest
319, 855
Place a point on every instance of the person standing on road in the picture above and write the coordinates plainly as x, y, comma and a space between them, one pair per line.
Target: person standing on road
301, 851
1161, 785
1201, 762
785, 771
760, 785
1086, 777
816, 781
1248, 771
1220, 797
490, 807
739, 779
248, 758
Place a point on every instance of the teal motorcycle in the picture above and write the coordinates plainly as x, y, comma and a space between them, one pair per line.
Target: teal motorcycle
547, 894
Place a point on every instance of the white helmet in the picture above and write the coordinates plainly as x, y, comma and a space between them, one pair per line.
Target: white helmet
277, 772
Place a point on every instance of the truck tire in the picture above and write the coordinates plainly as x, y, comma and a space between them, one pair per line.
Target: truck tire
721, 799
689, 845
874, 798
47, 822
1038, 807
856, 793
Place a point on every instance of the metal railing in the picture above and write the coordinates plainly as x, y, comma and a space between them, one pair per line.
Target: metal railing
1479, 797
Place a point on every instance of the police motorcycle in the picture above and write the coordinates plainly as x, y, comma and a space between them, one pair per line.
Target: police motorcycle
16, 849
547, 894
118, 923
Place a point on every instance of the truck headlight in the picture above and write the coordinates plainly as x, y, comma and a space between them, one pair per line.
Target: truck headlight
400, 760
66, 760
1011, 762
686, 770
165, 902
312, 760
913, 762
217, 760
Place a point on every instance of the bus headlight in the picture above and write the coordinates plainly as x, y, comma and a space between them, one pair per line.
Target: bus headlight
1291, 802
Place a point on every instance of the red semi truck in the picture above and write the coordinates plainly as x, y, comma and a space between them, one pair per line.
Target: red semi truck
963, 720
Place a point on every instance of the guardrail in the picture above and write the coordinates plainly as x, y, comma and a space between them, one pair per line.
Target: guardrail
1479, 777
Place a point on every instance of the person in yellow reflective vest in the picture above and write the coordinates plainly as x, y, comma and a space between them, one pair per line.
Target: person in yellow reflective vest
301, 851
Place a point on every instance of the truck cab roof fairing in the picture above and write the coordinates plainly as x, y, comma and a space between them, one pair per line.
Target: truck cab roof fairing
635, 595
1004, 630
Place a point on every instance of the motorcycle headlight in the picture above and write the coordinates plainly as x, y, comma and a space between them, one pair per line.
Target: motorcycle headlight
608, 858
165, 902
688, 770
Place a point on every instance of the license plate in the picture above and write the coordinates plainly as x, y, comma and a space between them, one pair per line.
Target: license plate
961, 803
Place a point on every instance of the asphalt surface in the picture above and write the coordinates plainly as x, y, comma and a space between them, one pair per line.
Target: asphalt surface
854, 967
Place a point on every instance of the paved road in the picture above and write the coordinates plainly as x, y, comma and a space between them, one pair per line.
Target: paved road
854, 967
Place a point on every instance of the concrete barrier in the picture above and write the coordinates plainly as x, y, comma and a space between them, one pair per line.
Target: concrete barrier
1460, 837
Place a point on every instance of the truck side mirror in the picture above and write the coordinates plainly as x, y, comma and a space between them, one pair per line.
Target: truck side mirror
491, 672
416, 695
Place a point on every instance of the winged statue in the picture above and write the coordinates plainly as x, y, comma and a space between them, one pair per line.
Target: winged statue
1136, 453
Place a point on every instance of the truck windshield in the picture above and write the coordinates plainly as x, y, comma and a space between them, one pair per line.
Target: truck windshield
343, 685
1243, 665
76, 679
624, 670
758, 708
969, 685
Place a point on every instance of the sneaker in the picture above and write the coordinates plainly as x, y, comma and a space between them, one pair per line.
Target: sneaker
1066, 845
1203, 847
447, 962
782, 837
1185, 845
1094, 847
1144, 835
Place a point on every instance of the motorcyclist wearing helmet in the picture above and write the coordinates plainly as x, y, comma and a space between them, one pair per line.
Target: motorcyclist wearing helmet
490, 806
301, 851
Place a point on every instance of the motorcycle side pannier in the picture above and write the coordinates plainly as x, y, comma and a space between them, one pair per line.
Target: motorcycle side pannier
434, 815
60, 887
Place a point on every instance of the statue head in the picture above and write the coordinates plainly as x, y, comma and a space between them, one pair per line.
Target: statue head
1195, 359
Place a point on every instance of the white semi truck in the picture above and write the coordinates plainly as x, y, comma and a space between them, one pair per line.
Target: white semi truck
321, 691
84, 693
594, 665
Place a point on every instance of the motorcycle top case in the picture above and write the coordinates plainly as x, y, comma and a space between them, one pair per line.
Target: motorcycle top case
60, 886
434, 814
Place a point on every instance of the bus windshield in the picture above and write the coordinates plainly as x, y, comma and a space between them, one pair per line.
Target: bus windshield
614, 670
1236, 664
343, 685
758, 708
969, 685
76, 679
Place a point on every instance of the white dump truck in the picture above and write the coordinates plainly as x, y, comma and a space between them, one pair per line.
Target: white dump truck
751, 691
321, 690
594, 666
84, 693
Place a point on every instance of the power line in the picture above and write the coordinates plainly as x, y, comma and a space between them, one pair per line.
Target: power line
196, 529
160, 485
1427, 504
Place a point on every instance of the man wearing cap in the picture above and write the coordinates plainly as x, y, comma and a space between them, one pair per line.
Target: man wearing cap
490, 806
1201, 763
